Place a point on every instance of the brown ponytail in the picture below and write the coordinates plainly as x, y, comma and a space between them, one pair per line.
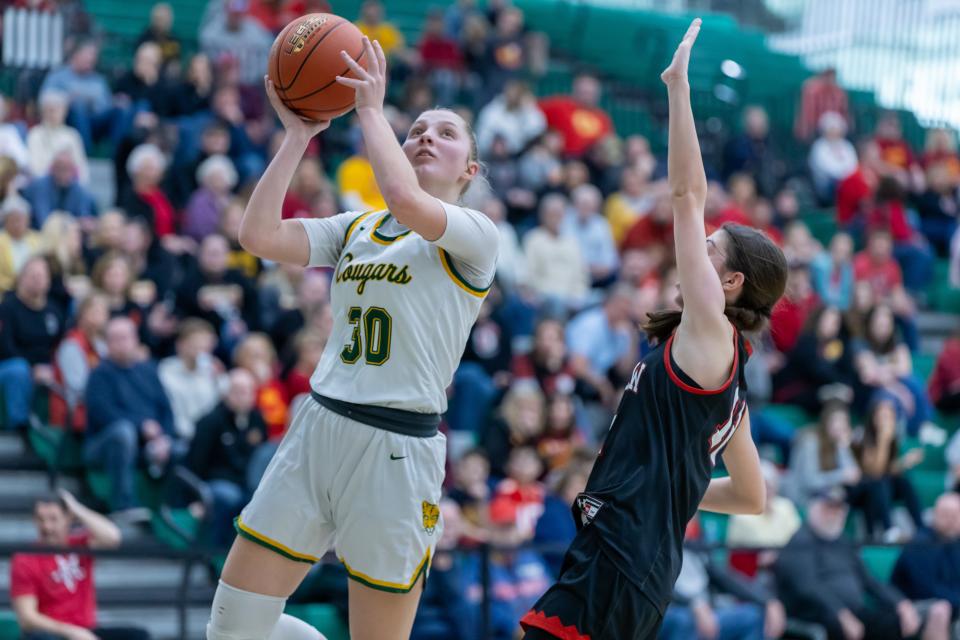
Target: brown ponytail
764, 270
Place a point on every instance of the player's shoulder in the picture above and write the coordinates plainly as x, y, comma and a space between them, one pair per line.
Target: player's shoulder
461, 218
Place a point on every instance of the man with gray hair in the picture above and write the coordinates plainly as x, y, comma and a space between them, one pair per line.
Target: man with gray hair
87, 91
929, 568
556, 268
587, 224
822, 579
603, 339
17, 242
53, 135
129, 418
59, 190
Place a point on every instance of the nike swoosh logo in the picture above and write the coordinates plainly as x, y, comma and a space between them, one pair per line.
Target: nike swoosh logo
393, 457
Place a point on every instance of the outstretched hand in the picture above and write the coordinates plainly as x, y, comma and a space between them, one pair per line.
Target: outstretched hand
293, 123
370, 83
677, 71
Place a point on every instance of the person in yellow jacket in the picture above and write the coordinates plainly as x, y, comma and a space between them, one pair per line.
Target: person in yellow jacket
373, 25
17, 241
357, 184
634, 200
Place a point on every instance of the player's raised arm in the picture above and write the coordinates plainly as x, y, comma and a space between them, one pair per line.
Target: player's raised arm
406, 199
702, 292
263, 232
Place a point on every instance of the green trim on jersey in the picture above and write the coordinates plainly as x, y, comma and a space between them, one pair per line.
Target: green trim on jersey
379, 238
357, 220
458, 279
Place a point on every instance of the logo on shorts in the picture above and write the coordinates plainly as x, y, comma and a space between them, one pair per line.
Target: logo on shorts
431, 515
589, 507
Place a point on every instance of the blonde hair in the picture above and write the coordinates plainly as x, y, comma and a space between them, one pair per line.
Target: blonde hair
103, 264
251, 342
518, 392
55, 234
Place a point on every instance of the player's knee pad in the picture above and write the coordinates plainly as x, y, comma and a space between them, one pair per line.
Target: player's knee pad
290, 628
242, 615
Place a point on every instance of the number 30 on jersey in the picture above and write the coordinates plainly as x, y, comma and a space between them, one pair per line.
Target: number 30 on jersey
371, 336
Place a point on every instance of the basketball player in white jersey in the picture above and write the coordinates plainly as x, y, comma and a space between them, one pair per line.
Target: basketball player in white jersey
360, 469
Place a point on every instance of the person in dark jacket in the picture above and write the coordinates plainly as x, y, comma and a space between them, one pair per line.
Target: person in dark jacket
225, 441
223, 297
821, 579
128, 415
930, 567
30, 328
820, 360
59, 190
696, 613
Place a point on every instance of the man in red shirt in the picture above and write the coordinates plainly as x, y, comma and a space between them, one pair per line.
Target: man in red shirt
877, 266
894, 150
579, 117
790, 313
820, 94
53, 594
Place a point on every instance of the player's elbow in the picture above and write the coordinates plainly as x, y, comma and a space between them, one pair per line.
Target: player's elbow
754, 501
688, 198
247, 239
251, 241
402, 199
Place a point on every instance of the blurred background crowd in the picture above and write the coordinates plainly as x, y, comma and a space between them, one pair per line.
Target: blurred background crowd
142, 349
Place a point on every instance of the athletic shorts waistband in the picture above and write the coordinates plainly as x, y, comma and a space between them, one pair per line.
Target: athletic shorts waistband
407, 423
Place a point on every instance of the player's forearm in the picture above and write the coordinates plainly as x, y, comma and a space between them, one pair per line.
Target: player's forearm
723, 495
397, 180
685, 171
262, 217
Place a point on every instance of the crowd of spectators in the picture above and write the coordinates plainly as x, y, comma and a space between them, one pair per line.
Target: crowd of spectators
165, 344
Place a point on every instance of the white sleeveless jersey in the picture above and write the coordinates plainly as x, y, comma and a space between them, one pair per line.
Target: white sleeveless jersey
402, 306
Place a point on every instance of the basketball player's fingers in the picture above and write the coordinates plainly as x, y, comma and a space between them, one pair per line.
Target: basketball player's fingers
373, 63
381, 57
272, 93
693, 31
351, 82
360, 72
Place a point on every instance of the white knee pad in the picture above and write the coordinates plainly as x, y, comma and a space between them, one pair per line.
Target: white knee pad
290, 628
242, 615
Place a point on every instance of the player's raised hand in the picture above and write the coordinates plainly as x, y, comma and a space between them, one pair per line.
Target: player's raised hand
293, 123
677, 71
370, 83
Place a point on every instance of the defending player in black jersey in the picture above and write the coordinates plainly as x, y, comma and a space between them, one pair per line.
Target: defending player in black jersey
684, 404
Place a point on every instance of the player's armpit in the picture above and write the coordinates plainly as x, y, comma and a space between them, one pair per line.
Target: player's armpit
744, 490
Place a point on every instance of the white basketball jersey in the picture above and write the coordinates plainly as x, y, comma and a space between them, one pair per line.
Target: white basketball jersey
402, 306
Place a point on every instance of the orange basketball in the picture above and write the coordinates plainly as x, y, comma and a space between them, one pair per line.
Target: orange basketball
305, 62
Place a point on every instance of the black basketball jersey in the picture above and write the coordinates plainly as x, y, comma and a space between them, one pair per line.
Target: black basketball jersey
655, 464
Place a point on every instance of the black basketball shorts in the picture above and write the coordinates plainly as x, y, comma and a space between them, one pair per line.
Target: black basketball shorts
591, 600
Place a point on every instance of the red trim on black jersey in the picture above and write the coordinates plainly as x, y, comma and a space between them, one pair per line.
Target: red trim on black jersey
696, 390
552, 625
